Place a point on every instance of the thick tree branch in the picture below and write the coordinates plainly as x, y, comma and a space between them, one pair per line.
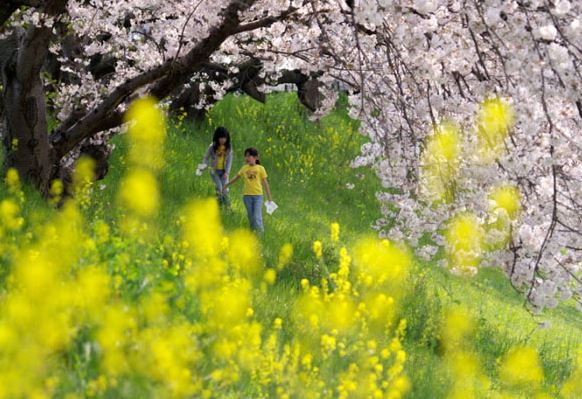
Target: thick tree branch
168, 73
247, 80
165, 78
268, 21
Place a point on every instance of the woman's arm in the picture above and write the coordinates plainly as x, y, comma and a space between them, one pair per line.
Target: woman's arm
228, 161
267, 189
207, 155
230, 182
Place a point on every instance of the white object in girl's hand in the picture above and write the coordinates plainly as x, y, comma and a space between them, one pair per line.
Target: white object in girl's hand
271, 207
200, 169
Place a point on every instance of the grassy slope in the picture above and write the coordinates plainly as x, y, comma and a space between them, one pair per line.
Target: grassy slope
308, 166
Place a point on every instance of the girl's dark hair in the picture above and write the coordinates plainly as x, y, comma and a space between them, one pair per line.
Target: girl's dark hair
218, 133
253, 152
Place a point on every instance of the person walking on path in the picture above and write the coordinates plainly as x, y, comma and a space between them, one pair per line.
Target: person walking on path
219, 157
254, 176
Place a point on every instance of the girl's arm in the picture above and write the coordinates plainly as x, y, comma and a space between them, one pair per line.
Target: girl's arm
230, 182
267, 189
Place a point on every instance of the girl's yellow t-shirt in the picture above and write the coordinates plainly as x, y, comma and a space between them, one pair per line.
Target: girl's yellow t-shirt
220, 155
253, 177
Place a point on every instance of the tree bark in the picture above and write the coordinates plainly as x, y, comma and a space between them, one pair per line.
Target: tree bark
25, 136
25, 132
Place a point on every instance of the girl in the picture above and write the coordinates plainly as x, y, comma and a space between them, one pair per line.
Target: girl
219, 154
255, 178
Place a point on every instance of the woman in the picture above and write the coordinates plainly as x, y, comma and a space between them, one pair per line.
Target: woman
219, 158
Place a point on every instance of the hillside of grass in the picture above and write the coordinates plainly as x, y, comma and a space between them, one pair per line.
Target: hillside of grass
313, 184
309, 173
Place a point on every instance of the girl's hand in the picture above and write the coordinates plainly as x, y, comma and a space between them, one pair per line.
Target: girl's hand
230, 182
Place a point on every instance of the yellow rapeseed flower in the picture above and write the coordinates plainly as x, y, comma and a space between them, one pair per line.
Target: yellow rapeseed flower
83, 179
139, 193
147, 131
202, 228
270, 276
56, 191
328, 343
115, 334
93, 289
84, 173
9, 215
456, 328
521, 367
507, 198
317, 249
171, 354
339, 314
243, 252
381, 310
335, 231
13, 181
228, 306
382, 261
285, 255
154, 307
440, 162
494, 121
504, 207
464, 243
102, 231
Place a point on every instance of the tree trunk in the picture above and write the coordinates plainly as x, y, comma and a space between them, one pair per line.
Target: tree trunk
25, 137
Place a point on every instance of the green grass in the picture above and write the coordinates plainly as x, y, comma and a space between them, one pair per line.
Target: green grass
307, 163
309, 167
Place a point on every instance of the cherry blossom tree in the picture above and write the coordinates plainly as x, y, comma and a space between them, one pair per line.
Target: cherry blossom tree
412, 68
437, 61
149, 47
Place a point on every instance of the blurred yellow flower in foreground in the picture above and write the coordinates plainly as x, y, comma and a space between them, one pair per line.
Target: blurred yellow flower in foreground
506, 197
335, 231
317, 249
494, 121
139, 193
147, 132
522, 367
440, 162
464, 243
